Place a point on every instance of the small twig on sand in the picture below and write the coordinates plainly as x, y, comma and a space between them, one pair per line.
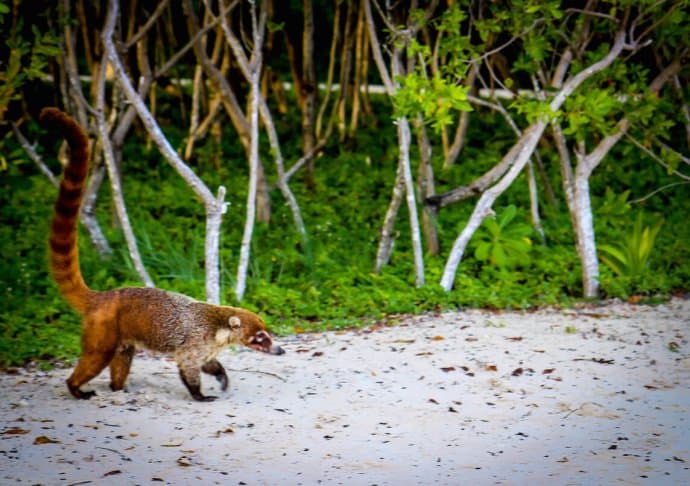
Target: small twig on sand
122, 456
246, 370
595, 360
259, 371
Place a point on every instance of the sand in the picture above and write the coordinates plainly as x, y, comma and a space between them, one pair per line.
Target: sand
592, 395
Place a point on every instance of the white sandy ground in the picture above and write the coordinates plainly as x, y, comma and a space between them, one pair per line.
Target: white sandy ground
594, 395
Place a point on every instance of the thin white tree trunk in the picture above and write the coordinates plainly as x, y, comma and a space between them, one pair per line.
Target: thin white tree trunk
254, 67
584, 232
534, 200
404, 144
404, 170
527, 144
576, 187
246, 68
114, 176
426, 186
211, 203
386, 241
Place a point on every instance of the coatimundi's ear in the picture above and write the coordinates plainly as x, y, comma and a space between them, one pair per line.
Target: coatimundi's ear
234, 323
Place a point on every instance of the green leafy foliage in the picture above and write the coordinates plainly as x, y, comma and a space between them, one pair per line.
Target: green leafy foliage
29, 55
630, 256
435, 98
502, 241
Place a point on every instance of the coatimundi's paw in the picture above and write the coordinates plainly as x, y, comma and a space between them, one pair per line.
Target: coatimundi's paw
81, 395
204, 398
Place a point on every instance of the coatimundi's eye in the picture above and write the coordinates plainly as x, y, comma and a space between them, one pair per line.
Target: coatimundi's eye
259, 337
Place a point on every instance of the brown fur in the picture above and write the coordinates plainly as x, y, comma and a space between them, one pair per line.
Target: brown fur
116, 321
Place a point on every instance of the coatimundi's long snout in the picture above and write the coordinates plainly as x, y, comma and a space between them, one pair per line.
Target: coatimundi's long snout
261, 341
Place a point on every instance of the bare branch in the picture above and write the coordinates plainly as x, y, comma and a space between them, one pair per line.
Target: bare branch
33, 155
149, 23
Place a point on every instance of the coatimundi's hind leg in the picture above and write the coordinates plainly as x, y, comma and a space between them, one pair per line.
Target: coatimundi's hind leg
98, 349
214, 368
120, 365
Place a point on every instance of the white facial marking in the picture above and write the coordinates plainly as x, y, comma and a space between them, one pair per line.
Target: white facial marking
222, 336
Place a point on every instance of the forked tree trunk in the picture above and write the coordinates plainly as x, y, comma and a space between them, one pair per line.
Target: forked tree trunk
523, 150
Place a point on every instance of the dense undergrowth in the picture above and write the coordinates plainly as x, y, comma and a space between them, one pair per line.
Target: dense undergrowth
328, 283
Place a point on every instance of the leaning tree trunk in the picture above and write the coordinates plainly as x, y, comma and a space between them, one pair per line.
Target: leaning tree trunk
215, 207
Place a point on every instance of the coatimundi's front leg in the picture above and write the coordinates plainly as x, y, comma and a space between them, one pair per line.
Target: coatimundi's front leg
191, 362
214, 368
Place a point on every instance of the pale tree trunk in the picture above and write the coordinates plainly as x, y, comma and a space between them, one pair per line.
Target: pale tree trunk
525, 147
329, 77
346, 69
114, 176
194, 116
361, 47
452, 153
246, 67
387, 239
522, 151
215, 207
576, 187
426, 186
404, 145
531, 179
404, 170
227, 95
309, 88
255, 86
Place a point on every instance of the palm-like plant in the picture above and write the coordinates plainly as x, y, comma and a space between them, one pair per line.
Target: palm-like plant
630, 256
502, 241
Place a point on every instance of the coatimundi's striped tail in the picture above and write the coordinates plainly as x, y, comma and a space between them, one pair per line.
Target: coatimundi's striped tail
64, 253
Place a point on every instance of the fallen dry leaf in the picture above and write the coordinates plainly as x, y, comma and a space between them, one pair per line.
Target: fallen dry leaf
448, 369
548, 371
42, 439
15, 431
184, 461
491, 367
515, 338
517, 371
437, 338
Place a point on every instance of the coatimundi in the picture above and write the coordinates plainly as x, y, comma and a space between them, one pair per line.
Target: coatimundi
115, 321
